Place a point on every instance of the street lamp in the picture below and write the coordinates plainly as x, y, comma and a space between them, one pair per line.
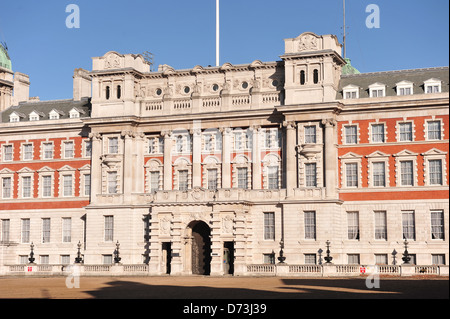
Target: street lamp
79, 259
328, 258
320, 251
31, 259
394, 253
116, 253
406, 257
281, 259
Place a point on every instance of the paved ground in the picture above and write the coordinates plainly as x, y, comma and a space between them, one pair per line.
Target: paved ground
200, 287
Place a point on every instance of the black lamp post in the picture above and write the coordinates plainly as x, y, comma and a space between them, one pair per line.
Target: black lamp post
78, 259
406, 258
328, 258
116, 254
320, 251
31, 259
281, 259
394, 253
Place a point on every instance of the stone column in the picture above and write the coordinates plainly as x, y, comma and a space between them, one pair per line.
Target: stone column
291, 162
330, 158
127, 165
167, 159
96, 166
256, 158
226, 154
196, 157
138, 160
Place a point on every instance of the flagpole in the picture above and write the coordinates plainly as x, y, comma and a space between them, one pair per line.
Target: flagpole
217, 32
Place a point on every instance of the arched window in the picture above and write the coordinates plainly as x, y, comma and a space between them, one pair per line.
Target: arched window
119, 91
180, 143
316, 76
108, 92
302, 77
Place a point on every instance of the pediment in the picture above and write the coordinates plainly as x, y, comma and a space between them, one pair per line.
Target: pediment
350, 155
434, 151
25, 170
378, 154
6, 171
66, 168
405, 153
45, 169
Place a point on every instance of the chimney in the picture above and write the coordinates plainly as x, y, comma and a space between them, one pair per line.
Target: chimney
21, 88
81, 84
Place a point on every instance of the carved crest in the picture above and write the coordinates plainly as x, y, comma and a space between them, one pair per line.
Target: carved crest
307, 42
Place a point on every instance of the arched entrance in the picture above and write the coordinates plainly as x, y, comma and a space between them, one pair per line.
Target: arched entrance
200, 248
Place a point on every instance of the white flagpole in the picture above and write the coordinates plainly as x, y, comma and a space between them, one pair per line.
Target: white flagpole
217, 32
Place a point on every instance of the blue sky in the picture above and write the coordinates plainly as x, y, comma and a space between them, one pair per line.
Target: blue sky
180, 33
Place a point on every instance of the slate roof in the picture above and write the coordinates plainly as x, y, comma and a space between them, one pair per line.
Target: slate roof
63, 107
390, 78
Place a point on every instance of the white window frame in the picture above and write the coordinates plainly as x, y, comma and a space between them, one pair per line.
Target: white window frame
4, 153
7, 173
352, 89
378, 157
66, 149
402, 156
153, 165
399, 132
377, 87
380, 229
269, 226
350, 158
44, 150
353, 226
310, 220
407, 225
344, 133
66, 226
111, 148
434, 226
66, 171
46, 230
24, 152
435, 154
26, 173
372, 135
432, 83
404, 85
108, 230
427, 131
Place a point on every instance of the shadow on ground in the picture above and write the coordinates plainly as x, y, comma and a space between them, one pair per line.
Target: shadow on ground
288, 289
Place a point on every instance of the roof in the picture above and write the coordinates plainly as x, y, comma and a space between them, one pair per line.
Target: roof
5, 60
391, 78
63, 107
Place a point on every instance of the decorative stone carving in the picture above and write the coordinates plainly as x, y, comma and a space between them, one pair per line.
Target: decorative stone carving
307, 42
227, 224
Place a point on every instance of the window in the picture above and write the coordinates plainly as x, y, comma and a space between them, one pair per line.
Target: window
46, 230
406, 173
381, 259
432, 86
409, 228
353, 259
242, 177
310, 174
67, 185
377, 90
435, 167
310, 134
351, 95
109, 228
438, 259
207, 142
107, 259
5, 230
350, 92
113, 145
269, 259
269, 226
351, 174
48, 150
377, 93
434, 130
351, 134
6, 187
46, 186
212, 179
112, 182
108, 92
310, 259
68, 149
310, 225
67, 230
180, 144
380, 225
154, 181
316, 76
353, 225
7, 153
87, 148
406, 134
272, 173
437, 224
302, 77
183, 183
378, 133
379, 174
25, 230
238, 143
26, 186
44, 259
119, 91
65, 259
404, 88
27, 152
87, 184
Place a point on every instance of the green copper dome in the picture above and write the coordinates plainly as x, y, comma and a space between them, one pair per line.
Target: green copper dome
5, 61
348, 68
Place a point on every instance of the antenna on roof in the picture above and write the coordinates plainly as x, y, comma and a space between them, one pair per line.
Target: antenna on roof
217, 33
345, 32
148, 56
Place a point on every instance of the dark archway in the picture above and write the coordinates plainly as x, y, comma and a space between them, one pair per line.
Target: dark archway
201, 248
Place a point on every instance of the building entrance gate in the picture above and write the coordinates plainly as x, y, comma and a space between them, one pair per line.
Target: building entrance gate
201, 248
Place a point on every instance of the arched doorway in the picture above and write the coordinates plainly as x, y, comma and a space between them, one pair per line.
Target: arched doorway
200, 248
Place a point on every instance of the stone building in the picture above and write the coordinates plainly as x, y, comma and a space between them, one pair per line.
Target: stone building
211, 170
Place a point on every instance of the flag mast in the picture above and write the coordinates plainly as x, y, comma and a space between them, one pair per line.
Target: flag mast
344, 33
217, 32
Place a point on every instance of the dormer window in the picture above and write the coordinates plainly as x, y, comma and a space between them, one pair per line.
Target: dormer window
54, 114
74, 113
404, 88
377, 90
34, 116
14, 117
351, 92
432, 86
